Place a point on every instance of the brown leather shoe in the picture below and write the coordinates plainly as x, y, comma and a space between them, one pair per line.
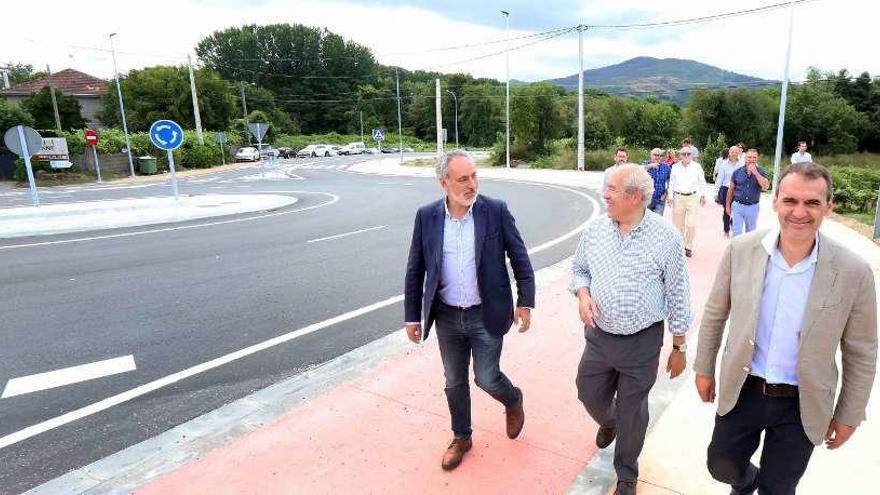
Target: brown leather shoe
455, 453
516, 417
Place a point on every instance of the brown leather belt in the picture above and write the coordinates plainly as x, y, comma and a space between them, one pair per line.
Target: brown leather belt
686, 194
758, 384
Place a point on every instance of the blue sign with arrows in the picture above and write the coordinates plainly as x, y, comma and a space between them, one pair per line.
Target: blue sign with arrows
166, 135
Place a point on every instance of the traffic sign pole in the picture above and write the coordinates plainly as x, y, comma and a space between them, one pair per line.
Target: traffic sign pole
260, 148
173, 175
97, 165
35, 197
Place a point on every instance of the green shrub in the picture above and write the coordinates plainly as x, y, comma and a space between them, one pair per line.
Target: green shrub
855, 188
20, 173
200, 156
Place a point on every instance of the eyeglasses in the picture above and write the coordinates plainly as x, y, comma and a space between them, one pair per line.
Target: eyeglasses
686, 154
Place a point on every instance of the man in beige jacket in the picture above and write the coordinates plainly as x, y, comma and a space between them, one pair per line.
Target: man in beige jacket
792, 297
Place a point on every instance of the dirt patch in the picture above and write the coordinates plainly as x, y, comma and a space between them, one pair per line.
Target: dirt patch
863, 229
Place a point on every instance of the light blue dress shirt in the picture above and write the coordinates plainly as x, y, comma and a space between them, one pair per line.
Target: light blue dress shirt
781, 317
725, 173
458, 272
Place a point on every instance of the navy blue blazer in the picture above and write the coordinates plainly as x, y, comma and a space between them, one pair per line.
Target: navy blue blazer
495, 234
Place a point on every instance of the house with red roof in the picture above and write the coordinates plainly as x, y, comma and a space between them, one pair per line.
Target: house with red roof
87, 89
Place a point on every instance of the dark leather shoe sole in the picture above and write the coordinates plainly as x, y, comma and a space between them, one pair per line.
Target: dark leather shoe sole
605, 436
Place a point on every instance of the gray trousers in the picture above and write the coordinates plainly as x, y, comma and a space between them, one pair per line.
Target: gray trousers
625, 365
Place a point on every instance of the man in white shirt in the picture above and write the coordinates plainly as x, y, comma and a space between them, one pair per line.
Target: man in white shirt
695, 154
620, 157
801, 156
686, 191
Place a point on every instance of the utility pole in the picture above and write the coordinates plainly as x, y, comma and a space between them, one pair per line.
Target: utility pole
399, 121
362, 125
439, 119
244, 109
455, 100
782, 101
580, 119
195, 98
5, 74
121, 107
54, 101
507, 85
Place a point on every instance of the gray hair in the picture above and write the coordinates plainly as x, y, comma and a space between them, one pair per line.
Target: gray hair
443, 162
638, 180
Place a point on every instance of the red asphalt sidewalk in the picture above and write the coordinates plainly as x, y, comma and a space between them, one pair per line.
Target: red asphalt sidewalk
386, 430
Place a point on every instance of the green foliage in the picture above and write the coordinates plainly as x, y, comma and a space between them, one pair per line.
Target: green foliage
741, 115
855, 188
201, 155
40, 106
596, 133
826, 121
536, 115
12, 115
21, 73
20, 173
163, 92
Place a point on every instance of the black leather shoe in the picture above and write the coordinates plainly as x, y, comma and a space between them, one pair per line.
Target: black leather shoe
605, 436
626, 488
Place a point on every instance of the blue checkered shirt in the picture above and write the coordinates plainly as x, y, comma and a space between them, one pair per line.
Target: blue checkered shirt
660, 174
635, 281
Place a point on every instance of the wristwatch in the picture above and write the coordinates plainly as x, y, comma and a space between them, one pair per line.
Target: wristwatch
680, 348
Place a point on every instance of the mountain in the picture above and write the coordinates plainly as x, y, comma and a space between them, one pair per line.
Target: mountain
669, 78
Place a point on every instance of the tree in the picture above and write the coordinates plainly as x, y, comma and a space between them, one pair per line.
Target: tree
596, 133
40, 106
21, 73
163, 92
303, 66
535, 114
826, 121
742, 115
480, 114
12, 115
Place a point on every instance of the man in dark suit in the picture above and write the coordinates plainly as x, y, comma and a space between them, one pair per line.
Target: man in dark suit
457, 276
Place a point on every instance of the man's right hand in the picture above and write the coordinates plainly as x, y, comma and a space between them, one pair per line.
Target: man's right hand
705, 387
414, 333
588, 310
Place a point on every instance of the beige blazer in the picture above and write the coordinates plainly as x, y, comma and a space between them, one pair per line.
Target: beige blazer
841, 311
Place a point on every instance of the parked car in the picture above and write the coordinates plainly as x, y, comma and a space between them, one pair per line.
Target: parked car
389, 150
372, 151
267, 151
247, 154
285, 152
316, 150
327, 150
353, 149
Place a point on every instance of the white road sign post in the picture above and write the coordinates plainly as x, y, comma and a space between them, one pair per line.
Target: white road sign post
258, 129
25, 141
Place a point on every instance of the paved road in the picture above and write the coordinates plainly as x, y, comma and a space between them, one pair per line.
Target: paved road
176, 299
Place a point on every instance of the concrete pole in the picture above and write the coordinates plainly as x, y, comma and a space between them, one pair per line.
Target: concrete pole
54, 101
399, 121
195, 99
455, 100
439, 119
782, 100
121, 107
244, 109
580, 119
5, 74
362, 125
507, 87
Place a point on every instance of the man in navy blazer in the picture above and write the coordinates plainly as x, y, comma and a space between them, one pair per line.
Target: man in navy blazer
457, 277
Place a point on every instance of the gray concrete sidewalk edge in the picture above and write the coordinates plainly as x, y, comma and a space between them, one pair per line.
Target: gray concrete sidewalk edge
125, 470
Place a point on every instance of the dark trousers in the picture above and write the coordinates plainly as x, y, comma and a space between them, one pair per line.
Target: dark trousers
461, 333
725, 218
625, 365
736, 437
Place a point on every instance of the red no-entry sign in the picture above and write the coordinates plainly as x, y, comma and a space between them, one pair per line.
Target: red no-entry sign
91, 137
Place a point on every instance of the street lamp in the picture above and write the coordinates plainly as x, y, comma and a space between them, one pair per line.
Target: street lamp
121, 106
506, 15
455, 99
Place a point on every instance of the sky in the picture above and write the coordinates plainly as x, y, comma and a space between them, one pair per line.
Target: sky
829, 34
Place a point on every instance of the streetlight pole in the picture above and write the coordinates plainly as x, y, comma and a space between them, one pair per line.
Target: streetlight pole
782, 100
362, 125
244, 109
580, 119
399, 121
195, 99
455, 100
121, 106
507, 85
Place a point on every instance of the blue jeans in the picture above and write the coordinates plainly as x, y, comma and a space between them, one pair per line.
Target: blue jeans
744, 216
460, 332
658, 207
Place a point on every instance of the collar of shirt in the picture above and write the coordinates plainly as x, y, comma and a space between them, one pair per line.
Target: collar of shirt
642, 223
466, 215
771, 245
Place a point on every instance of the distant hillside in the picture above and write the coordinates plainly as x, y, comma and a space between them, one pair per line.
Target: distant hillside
668, 78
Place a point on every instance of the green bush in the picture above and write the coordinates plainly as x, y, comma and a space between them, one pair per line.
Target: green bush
20, 173
855, 188
201, 155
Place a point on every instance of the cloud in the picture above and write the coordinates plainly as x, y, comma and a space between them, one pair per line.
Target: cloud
831, 35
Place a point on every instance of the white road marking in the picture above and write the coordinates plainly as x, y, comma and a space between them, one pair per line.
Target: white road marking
146, 388
337, 236
334, 199
67, 376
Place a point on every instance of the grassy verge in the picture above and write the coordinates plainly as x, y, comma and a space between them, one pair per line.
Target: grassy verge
865, 218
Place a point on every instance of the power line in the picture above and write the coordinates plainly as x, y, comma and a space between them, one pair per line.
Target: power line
506, 50
483, 43
697, 20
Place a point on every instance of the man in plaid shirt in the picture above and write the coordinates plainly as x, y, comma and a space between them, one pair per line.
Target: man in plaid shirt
659, 171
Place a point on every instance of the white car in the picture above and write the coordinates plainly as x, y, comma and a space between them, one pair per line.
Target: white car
247, 154
316, 150
268, 151
353, 149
